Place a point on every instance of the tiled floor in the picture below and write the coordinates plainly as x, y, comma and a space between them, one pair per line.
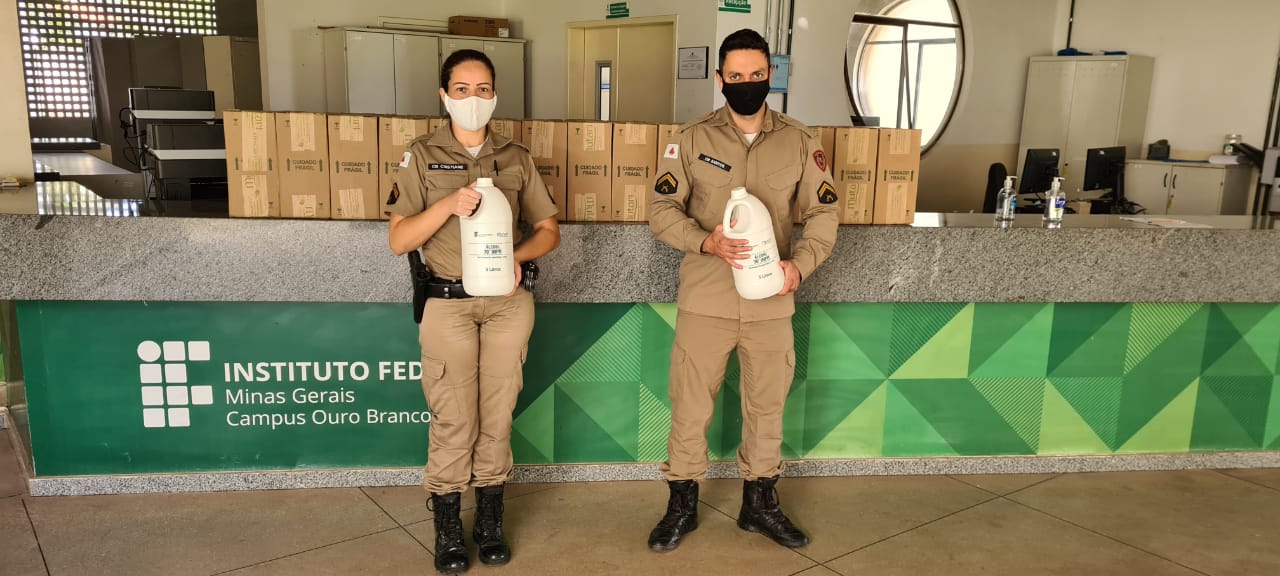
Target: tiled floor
1203, 522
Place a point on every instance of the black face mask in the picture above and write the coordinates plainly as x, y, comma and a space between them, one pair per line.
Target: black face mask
745, 98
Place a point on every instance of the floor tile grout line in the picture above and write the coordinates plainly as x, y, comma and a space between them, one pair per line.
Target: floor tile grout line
735, 520
912, 529
384, 510
353, 538
1107, 536
419, 542
36, 535
1247, 481
959, 478
1028, 487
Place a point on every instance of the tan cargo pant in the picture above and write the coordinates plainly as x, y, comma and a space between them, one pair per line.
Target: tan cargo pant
473, 353
766, 352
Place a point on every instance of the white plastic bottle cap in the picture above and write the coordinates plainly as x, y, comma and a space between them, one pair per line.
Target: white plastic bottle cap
486, 182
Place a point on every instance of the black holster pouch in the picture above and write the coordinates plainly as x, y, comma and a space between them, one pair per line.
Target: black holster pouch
419, 275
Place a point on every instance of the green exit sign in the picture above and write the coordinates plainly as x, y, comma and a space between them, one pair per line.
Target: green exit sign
739, 6
618, 10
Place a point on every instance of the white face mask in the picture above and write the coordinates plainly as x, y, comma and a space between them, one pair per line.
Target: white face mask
471, 113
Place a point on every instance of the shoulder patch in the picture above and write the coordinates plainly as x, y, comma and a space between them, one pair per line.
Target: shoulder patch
404, 160
673, 152
820, 159
666, 185
395, 193
827, 194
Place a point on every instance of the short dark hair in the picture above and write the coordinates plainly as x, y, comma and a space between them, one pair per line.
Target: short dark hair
744, 39
460, 56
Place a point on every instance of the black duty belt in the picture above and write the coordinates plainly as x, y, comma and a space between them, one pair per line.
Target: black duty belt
446, 289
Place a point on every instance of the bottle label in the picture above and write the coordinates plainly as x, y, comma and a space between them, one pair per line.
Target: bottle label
1059, 203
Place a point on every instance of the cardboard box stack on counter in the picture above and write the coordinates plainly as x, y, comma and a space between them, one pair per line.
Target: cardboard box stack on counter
635, 157
253, 180
394, 135
479, 26
590, 194
312, 165
353, 151
548, 143
303, 141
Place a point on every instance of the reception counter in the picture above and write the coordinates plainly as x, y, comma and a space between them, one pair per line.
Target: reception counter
187, 353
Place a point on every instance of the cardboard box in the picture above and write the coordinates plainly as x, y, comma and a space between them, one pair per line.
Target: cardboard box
507, 128
394, 135
253, 179
897, 176
303, 142
434, 124
548, 142
479, 26
635, 159
666, 136
853, 168
590, 192
353, 152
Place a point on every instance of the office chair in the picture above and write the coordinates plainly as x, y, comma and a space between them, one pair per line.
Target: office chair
995, 181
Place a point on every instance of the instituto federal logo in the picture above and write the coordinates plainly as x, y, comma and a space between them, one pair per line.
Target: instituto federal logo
166, 393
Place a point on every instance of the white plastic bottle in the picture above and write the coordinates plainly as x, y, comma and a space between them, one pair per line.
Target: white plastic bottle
1007, 201
488, 255
1055, 202
746, 218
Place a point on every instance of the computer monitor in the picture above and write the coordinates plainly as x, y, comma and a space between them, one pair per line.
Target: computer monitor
1104, 168
1038, 171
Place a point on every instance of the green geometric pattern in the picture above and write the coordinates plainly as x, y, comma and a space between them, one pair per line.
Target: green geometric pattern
886, 380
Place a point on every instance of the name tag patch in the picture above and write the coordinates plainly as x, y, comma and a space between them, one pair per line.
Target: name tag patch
453, 167
714, 162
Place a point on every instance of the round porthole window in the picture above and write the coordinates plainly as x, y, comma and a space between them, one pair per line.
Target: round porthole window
913, 83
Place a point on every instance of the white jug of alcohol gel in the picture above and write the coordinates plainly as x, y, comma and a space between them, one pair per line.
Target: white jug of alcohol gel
488, 254
746, 218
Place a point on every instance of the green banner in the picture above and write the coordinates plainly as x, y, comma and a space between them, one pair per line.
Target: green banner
118, 388
618, 10
739, 6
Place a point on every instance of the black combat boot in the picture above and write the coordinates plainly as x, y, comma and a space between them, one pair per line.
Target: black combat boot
488, 527
681, 517
451, 551
760, 513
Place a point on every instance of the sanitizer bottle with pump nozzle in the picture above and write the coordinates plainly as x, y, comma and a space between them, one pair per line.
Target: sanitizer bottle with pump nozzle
1007, 201
1055, 202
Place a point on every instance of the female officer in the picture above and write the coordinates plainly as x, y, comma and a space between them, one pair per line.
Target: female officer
473, 349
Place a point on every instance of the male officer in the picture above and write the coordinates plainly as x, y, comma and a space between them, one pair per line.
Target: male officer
778, 161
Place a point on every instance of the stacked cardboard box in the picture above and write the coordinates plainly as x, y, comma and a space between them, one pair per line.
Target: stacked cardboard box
353, 151
548, 143
253, 181
853, 167
510, 129
479, 26
394, 135
590, 181
635, 156
897, 176
434, 124
303, 141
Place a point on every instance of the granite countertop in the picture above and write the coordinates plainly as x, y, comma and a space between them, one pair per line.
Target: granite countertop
965, 258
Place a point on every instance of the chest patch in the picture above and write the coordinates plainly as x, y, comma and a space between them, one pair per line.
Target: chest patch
714, 162
450, 167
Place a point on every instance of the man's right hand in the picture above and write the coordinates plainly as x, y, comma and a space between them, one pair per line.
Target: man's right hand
727, 249
465, 201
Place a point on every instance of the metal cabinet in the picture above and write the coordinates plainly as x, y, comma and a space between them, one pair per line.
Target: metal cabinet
1187, 189
1074, 104
380, 71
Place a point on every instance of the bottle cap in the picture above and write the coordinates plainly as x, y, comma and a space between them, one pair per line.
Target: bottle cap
484, 182
1008, 181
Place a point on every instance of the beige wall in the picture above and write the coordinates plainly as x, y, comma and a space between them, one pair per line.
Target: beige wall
1215, 63
292, 54
15, 145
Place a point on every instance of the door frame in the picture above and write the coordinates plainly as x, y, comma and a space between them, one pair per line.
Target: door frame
583, 25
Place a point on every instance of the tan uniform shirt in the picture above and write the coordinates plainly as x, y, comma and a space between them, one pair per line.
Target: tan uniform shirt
711, 157
438, 166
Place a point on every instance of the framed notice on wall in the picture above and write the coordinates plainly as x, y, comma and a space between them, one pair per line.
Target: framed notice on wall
693, 63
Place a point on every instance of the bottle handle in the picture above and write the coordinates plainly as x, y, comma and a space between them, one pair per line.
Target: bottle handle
728, 212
